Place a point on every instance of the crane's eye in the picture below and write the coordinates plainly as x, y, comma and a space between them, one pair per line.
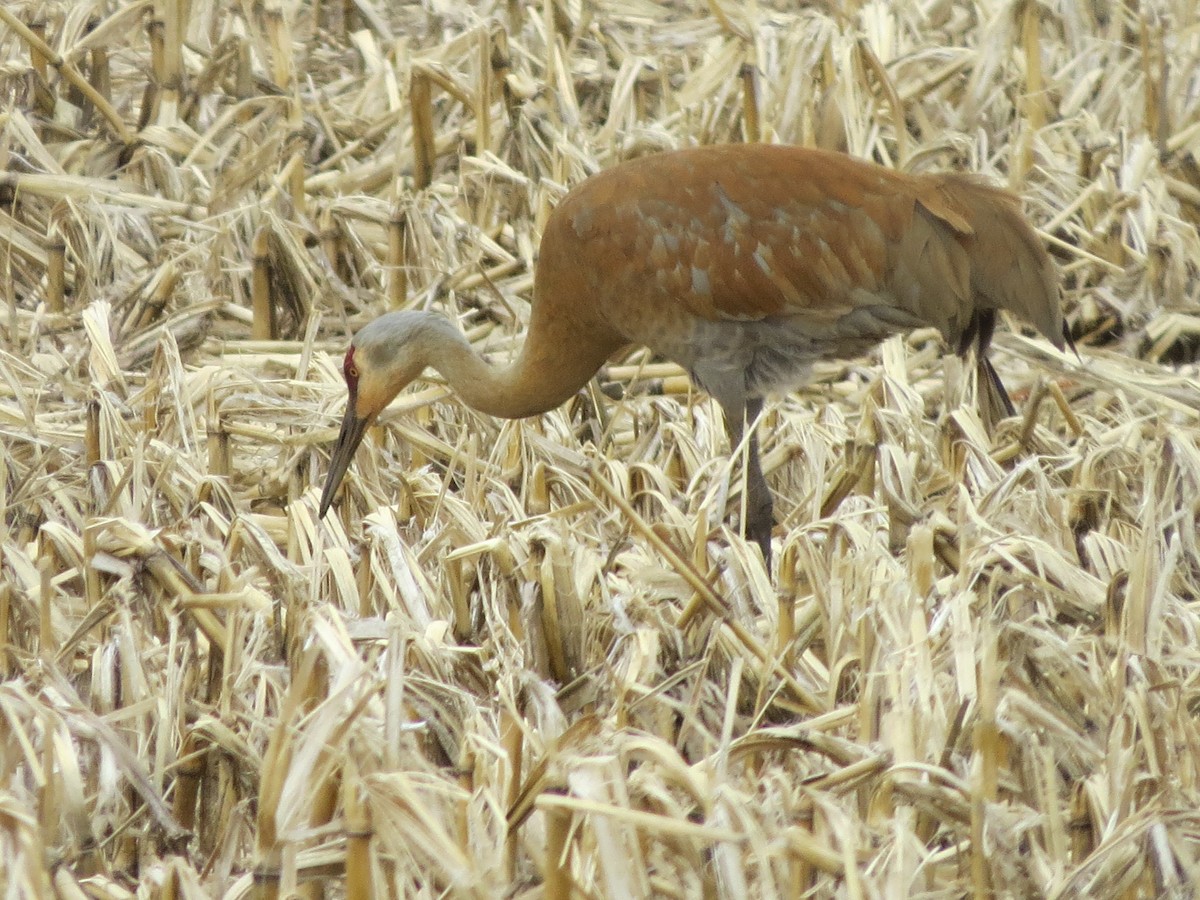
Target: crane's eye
350, 368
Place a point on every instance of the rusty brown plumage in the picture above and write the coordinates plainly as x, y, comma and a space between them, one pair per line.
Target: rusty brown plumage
743, 263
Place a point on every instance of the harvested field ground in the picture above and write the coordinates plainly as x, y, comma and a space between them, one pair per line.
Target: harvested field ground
534, 658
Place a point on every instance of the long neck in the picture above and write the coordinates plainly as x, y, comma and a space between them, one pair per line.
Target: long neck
546, 372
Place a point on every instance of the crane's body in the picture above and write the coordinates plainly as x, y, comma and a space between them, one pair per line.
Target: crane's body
742, 263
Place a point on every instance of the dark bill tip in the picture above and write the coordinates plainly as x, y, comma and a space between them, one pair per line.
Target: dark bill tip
351, 435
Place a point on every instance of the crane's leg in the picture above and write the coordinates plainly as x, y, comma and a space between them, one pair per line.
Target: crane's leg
728, 387
992, 395
760, 512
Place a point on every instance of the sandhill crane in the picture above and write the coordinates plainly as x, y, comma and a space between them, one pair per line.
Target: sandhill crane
742, 263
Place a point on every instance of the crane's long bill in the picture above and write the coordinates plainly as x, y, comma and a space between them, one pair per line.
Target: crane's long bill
351, 435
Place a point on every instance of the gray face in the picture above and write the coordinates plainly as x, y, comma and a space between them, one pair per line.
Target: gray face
384, 357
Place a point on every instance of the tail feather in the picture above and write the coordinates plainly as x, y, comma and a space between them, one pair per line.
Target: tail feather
1010, 268
970, 252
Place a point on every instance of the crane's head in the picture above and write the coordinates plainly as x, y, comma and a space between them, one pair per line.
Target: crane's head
384, 358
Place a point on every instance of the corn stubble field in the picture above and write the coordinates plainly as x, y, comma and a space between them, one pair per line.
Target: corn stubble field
534, 658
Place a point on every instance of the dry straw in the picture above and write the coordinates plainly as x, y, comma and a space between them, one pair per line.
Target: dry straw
530, 658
